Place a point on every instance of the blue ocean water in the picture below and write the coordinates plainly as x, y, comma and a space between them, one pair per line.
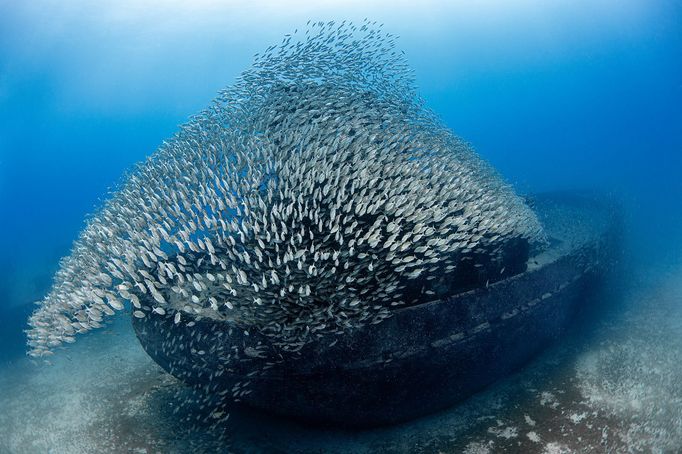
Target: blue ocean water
555, 95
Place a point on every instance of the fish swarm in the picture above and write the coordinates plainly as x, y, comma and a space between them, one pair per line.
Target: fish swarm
313, 196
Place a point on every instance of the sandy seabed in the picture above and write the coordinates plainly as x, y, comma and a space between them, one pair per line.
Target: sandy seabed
613, 384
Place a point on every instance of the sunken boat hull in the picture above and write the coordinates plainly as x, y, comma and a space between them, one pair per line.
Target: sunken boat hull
425, 357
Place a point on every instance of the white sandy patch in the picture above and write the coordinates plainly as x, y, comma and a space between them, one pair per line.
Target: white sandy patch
534, 437
556, 448
479, 448
636, 374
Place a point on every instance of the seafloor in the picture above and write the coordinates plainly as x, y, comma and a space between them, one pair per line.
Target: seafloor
612, 384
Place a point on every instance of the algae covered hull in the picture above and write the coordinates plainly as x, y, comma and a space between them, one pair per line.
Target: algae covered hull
424, 357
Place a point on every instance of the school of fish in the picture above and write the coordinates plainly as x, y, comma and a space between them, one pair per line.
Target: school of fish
303, 202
